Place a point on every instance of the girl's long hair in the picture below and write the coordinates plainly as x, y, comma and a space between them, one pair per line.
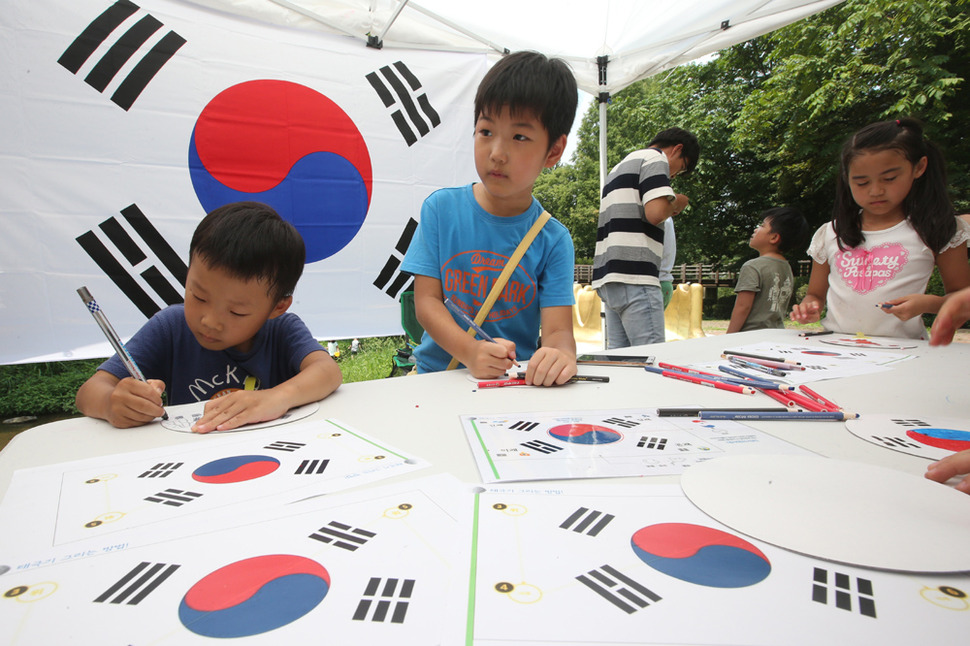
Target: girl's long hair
927, 206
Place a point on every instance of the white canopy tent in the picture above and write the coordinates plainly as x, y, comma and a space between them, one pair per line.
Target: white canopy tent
609, 43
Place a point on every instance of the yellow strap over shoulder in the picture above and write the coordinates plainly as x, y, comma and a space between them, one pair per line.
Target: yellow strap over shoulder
505, 275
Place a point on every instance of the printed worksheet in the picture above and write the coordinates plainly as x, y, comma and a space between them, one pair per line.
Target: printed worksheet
368, 567
604, 443
175, 489
819, 361
929, 437
616, 565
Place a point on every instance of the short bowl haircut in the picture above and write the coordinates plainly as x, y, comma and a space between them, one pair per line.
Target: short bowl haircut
528, 82
790, 225
249, 240
674, 136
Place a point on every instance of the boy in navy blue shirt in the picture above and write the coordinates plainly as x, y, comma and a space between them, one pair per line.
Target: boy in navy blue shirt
232, 343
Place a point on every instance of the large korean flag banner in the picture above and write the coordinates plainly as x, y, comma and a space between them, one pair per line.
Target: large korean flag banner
123, 123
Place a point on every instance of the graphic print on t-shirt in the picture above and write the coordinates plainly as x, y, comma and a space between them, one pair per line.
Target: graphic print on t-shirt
865, 270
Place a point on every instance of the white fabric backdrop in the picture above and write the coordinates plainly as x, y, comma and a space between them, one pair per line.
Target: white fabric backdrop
72, 158
95, 149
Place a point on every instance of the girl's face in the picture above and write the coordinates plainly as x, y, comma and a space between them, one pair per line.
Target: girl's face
880, 181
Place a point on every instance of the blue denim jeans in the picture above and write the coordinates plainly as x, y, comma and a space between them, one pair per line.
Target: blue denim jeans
634, 314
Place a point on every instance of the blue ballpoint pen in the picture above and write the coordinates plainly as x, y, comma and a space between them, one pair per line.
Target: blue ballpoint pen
113, 337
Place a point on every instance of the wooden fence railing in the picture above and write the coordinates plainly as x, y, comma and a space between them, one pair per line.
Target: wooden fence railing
706, 275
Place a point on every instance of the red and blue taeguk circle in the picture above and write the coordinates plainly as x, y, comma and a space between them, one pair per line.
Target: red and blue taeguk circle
237, 468
290, 147
584, 434
254, 596
701, 555
942, 438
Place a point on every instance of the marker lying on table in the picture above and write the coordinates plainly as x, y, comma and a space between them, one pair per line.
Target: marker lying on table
113, 337
744, 363
758, 356
703, 381
780, 365
782, 416
460, 313
694, 412
752, 380
575, 378
815, 333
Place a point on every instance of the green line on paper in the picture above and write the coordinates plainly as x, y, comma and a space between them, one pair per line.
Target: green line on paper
470, 623
368, 440
485, 449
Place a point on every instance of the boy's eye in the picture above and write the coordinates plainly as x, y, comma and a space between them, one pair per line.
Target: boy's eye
485, 132
520, 138
238, 313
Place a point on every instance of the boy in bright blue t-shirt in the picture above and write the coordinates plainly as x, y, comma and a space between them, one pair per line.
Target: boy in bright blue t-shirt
524, 108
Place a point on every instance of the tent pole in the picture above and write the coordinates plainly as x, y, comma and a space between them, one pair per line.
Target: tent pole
602, 63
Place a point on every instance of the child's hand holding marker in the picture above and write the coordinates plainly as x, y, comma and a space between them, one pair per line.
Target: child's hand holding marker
906, 307
489, 357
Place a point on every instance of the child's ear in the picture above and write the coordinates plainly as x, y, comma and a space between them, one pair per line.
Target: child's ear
920, 167
555, 152
281, 307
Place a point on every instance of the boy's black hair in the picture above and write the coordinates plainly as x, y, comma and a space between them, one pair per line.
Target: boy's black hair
673, 136
790, 225
250, 241
928, 206
529, 82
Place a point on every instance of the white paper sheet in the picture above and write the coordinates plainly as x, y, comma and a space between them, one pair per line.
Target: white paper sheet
604, 443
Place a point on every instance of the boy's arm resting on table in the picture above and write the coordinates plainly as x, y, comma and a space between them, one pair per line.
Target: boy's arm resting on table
742, 307
555, 362
952, 465
123, 403
810, 309
483, 359
318, 377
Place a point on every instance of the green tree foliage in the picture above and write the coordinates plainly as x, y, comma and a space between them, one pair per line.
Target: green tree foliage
772, 113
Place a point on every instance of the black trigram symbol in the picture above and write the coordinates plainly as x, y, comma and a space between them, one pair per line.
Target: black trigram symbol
120, 48
161, 470
541, 447
659, 443
391, 277
866, 605
523, 426
312, 467
619, 589
582, 518
896, 442
342, 536
910, 423
282, 445
620, 421
174, 497
390, 81
385, 597
133, 587
168, 288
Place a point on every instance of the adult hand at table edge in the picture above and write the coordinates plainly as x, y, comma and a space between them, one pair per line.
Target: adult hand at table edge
952, 465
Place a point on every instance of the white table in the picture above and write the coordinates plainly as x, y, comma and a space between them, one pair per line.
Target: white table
420, 414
